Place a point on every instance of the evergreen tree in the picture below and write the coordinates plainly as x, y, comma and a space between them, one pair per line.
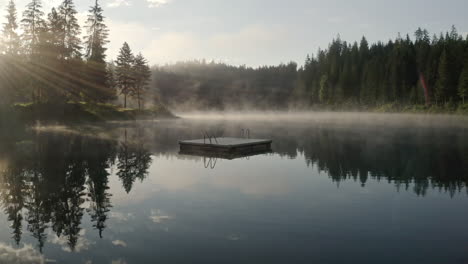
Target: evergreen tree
363, 48
97, 36
55, 32
12, 78
463, 84
124, 71
71, 31
95, 54
34, 38
142, 75
70, 50
442, 78
111, 75
50, 56
33, 26
323, 94
11, 41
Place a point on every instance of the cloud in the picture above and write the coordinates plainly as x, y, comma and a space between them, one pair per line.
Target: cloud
25, 255
119, 261
82, 244
135, 34
254, 45
21, 4
233, 237
119, 243
119, 3
52, 3
335, 20
122, 217
158, 216
249, 45
157, 3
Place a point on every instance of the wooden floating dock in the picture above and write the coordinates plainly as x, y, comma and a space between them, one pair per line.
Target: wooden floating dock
225, 147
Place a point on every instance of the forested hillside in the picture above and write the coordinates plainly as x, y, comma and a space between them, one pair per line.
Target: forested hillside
200, 85
423, 70
418, 71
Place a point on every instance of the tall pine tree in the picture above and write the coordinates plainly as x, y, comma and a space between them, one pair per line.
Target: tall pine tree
124, 72
142, 75
71, 31
33, 37
70, 50
442, 78
11, 41
12, 78
463, 83
33, 25
50, 56
95, 46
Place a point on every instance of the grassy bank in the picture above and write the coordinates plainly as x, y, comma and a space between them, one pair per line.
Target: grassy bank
461, 109
73, 112
452, 109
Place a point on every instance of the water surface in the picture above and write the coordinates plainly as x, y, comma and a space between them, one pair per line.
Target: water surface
338, 188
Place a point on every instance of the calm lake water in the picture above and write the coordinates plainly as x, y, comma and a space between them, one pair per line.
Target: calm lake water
337, 188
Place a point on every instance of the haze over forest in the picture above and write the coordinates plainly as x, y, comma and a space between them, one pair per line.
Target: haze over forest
47, 56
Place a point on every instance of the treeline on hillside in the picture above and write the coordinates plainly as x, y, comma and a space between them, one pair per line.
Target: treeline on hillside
421, 71
200, 85
50, 63
431, 71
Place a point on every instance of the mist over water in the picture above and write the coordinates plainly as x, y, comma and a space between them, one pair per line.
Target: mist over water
333, 118
121, 191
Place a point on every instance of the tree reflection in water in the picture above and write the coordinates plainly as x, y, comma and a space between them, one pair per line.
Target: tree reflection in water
409, 156
47, 179
133, 161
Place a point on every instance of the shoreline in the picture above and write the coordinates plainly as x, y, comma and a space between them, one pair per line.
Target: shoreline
81, 112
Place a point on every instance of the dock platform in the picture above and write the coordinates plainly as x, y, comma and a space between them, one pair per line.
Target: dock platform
225, 147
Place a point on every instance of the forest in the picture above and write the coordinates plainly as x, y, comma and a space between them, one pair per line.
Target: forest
422, 72
46, 60
50, 63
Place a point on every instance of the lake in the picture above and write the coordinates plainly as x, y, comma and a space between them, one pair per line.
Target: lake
337, 188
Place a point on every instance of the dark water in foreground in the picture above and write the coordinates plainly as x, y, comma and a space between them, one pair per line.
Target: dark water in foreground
336, 189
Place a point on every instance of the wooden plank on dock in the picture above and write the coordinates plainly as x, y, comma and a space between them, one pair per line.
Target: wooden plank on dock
225, 147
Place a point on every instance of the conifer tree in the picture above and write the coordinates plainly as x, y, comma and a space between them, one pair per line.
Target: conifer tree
323, 93
97, 36
55, 32
95, 54
33, 26
124, 71
71, 31
142, 75
34, 38
442, 78
11, 41
70, 50
11, 62
111, 75
463, 84
51, 50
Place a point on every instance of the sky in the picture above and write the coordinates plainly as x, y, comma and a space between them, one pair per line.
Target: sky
259, 32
